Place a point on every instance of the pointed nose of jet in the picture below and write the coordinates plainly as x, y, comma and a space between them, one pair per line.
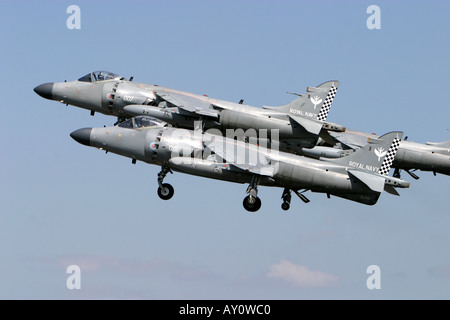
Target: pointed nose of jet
45, 90
82, 136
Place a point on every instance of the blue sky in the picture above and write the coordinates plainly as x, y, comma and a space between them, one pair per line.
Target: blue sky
66, 204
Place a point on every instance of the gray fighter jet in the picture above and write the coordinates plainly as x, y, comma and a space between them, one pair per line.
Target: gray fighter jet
361, 176
411, 156
299, 123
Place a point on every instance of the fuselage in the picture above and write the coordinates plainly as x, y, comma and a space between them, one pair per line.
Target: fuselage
433, 157
112, 96
184, 151
413, 155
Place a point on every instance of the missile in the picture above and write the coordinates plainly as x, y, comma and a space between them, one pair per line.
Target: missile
333, 127
169, 115
144, 110
173, 116
324, 152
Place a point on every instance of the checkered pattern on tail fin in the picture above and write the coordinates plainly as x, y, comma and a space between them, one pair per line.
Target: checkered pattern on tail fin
386, 165
323, 114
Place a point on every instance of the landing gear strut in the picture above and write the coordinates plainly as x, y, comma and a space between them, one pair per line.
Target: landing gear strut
251, 202
286, 199
301, 195
415, 176
411, 173
287, 195
165, 190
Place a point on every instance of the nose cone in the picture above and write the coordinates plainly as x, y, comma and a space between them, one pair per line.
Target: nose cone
82, 136
45, 90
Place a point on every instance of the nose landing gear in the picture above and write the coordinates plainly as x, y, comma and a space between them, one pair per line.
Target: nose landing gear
165, 190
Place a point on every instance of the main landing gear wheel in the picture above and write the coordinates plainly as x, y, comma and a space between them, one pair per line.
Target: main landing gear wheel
285, 206
286, 196
166, 192
251, 203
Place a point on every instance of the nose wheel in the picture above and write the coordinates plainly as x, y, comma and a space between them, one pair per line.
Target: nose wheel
165, 190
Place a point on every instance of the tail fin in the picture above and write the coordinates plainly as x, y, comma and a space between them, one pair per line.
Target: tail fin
375, 157
315, 104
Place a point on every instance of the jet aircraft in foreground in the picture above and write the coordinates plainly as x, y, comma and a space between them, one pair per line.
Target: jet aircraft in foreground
361, 176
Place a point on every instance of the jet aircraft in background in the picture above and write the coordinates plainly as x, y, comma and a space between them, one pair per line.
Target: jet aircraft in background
299, 123
411, 156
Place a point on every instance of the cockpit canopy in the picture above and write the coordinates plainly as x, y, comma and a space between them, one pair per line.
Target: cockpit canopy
100, 76
141, 122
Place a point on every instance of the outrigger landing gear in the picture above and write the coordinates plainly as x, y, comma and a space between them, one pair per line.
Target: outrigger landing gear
251, 202
301, 195
415, 176
165, 190
286, 196
411, 173
286, 199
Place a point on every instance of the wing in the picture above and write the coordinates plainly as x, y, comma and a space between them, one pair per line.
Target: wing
245, 156
310, 125
189, 103
352, 139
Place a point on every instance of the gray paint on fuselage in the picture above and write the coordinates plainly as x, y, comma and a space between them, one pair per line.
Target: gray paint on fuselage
295, 172
413, 155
